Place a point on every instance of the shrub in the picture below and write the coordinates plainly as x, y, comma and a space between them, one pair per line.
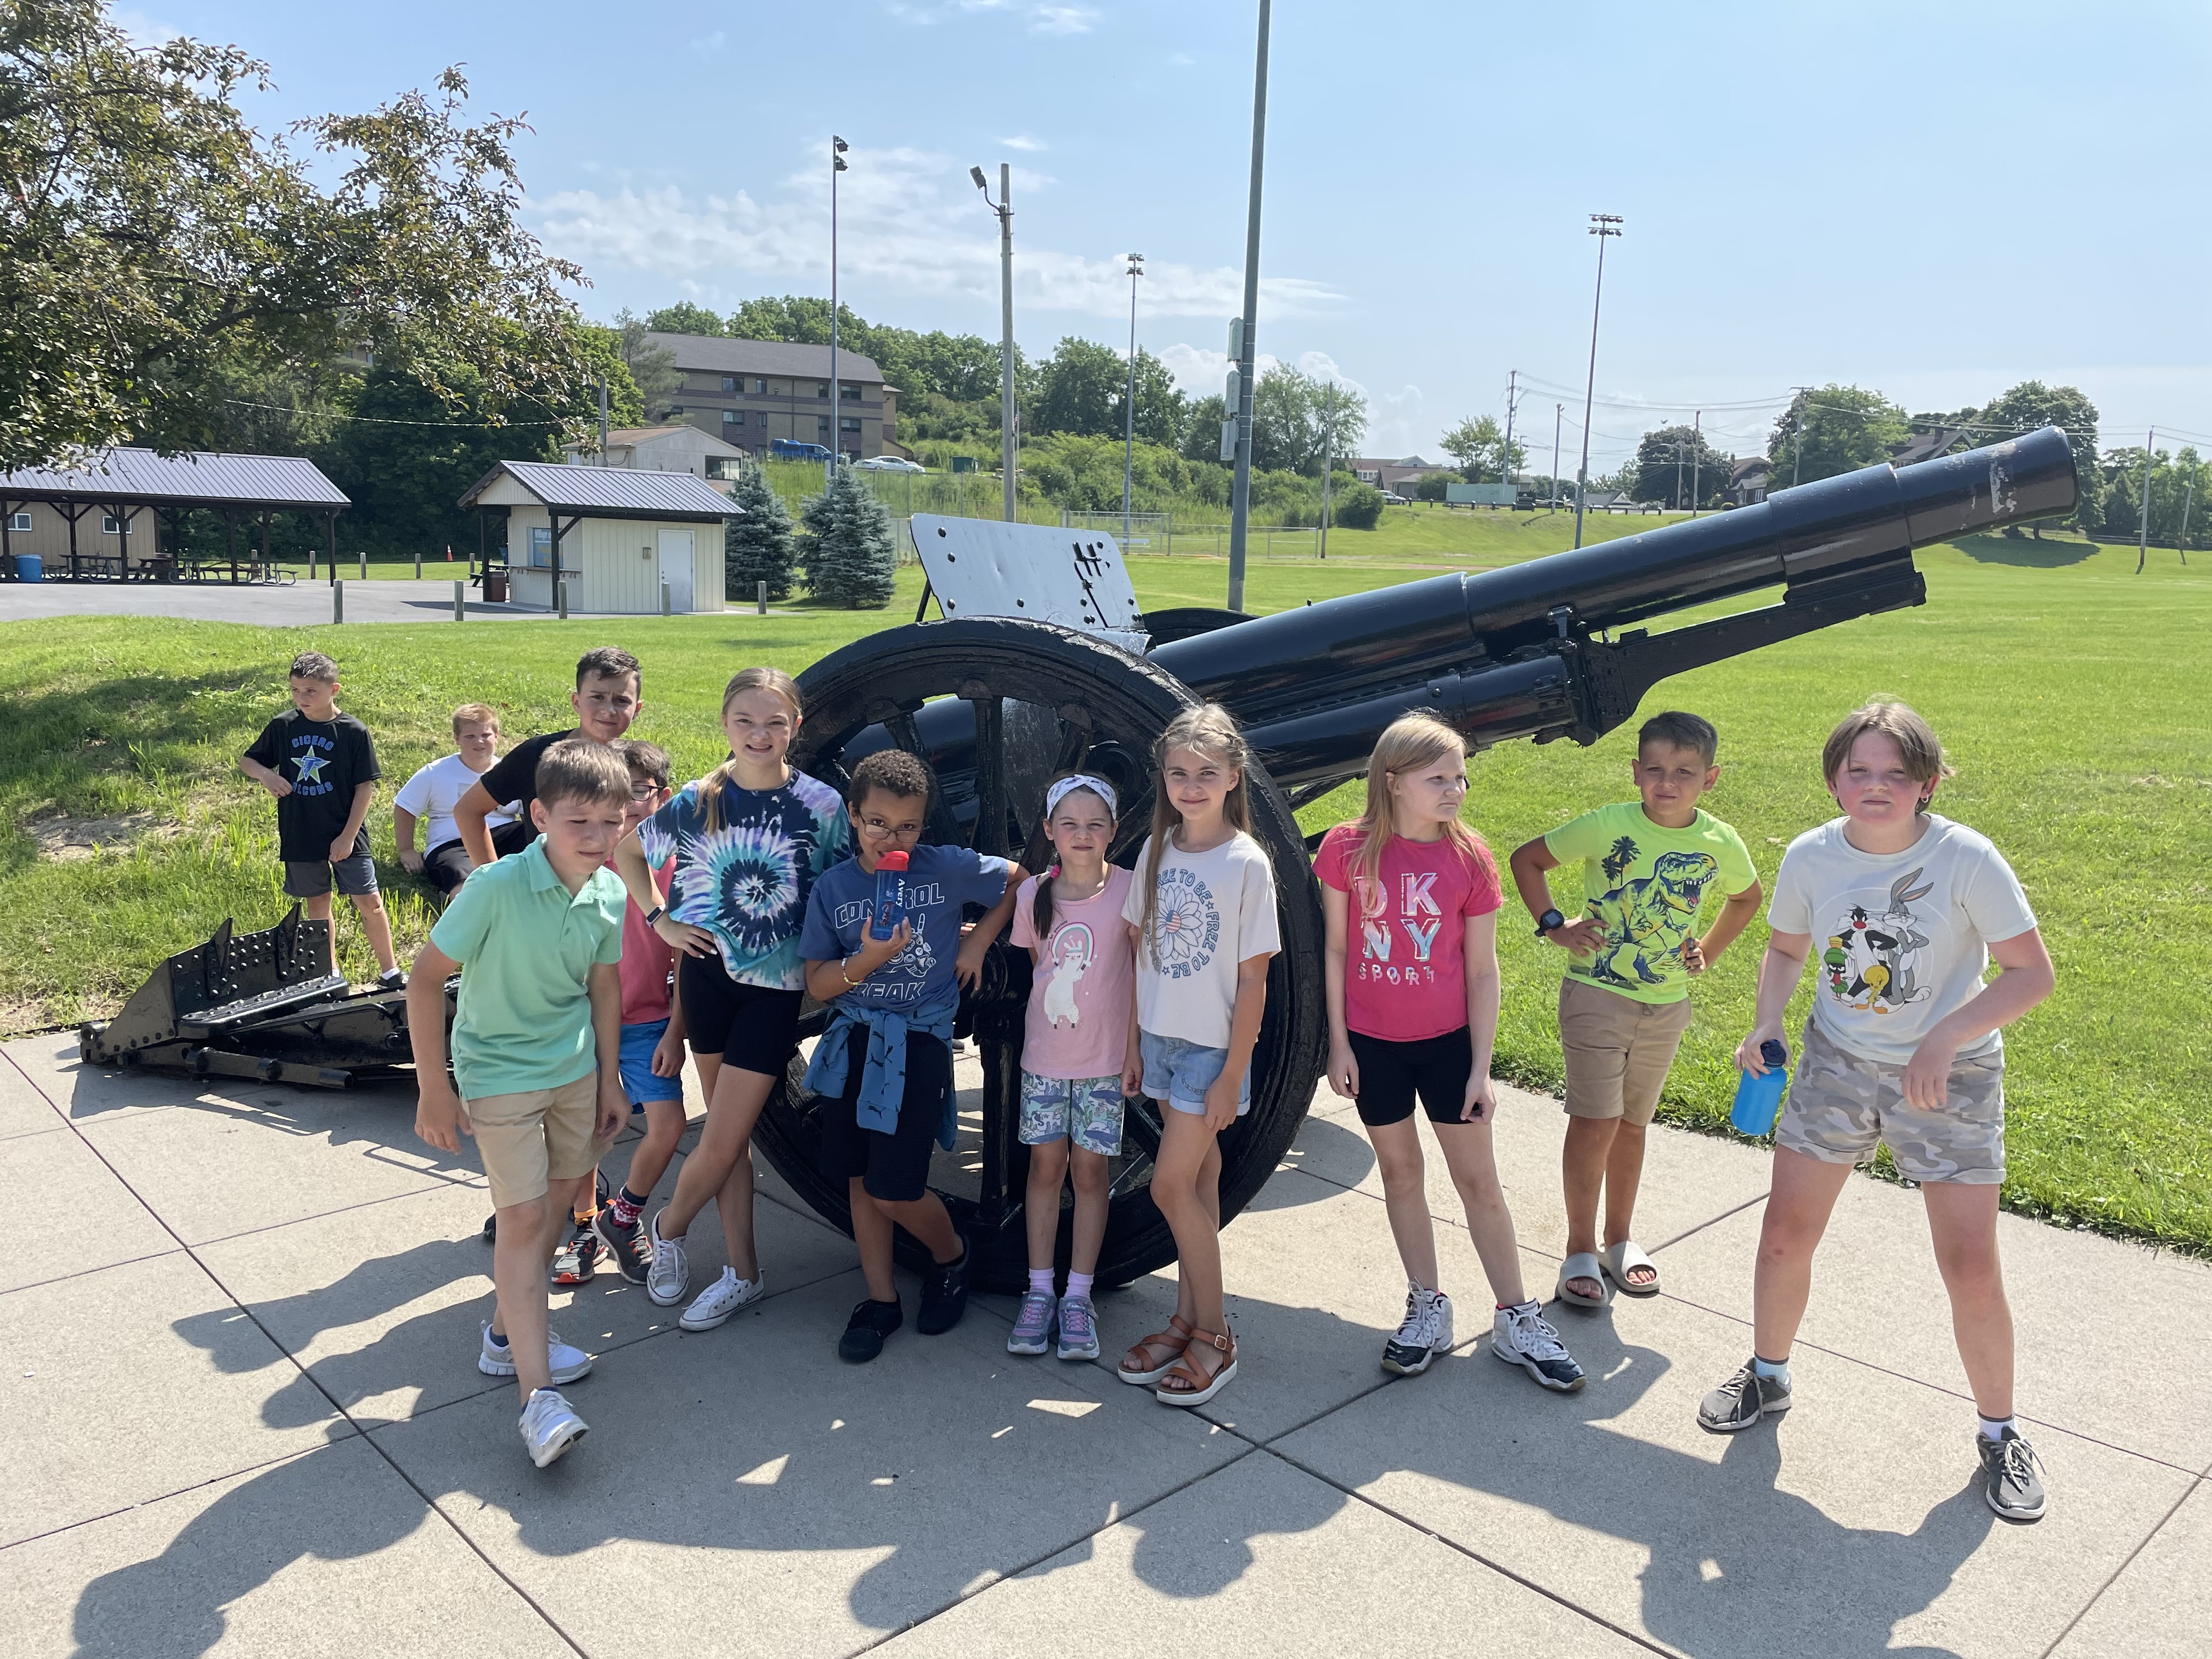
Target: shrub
1359, 508
851, 558
756, 546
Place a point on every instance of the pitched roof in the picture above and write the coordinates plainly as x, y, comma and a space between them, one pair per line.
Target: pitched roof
1750, 465
610, 491
196, 478
710, 354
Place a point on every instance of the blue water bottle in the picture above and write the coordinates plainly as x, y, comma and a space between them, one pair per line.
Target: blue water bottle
1759, 1099
891, 895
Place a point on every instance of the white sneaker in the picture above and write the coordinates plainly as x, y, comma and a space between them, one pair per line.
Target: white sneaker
720, 1299
1523, 1336
550, 1426
670, 1275
566, 1363
1425, 1333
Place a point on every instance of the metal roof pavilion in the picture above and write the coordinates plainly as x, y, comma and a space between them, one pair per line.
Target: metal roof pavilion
196, 478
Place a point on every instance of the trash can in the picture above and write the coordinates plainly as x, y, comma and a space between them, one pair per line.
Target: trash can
495, 586
29, 568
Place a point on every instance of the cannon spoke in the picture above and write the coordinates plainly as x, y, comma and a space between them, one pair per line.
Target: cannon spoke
944, 829
990, 835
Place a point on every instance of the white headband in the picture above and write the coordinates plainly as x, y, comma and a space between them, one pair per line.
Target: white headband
1059, 789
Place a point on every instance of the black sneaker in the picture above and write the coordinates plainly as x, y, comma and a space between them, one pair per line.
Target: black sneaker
1740, 1402
872, 1321
392, 979
944, 1295
578, 1258
627, 1247
2009, 1468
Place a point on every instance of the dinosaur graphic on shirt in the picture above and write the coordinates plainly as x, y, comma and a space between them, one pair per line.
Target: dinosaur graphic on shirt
1646, 919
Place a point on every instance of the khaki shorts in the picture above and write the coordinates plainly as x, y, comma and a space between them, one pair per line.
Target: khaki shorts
1840, 1105
538, 1135
1617, 1049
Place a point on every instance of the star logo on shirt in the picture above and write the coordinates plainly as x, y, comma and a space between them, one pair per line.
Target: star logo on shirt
311, 768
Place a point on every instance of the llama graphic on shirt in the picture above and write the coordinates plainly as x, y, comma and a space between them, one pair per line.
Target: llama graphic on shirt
1073, 951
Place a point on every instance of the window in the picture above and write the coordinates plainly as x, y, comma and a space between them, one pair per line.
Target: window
110, 526
763, 417
821, 424
733, 418
675, 408
822, 390
850, 391
761, 386
849, 423
18, 521
729, 383
540, 556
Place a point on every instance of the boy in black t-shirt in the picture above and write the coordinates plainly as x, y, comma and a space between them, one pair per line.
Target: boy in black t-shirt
606, 700
321, 767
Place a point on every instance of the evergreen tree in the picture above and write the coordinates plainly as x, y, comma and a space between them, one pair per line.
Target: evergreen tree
851, 558
756, 547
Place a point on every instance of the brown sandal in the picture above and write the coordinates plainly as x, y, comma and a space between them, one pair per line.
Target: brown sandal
1186, 1383
1142, 1366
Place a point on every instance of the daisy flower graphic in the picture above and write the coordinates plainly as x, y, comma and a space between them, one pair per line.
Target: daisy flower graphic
1182, 933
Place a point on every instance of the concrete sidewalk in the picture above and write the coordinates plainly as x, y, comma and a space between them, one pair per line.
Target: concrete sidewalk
306, 604
240, 1409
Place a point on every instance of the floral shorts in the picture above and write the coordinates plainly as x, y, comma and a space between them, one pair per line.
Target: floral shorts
1086, 1110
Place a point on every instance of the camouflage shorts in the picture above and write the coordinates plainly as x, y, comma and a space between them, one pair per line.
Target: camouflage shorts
1840, 1105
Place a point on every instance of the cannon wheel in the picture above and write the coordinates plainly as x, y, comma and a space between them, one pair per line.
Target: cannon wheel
1040, 698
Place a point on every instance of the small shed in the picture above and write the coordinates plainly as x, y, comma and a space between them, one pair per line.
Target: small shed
613, 534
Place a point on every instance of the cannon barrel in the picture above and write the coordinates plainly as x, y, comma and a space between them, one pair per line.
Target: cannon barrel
1515, 652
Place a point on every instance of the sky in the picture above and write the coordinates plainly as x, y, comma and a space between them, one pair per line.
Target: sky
1934, 202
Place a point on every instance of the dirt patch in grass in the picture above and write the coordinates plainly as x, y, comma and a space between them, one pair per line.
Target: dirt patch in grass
65, 838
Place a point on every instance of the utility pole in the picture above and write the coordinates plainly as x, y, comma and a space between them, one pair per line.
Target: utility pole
1129, 405
1240, 493
1602, 225
1678, 473
1003, 207
837, 148
1797, 460
1697, 458
2181, 542
1505, 468
1551, 496
603, 433
1328, 459
2143, 518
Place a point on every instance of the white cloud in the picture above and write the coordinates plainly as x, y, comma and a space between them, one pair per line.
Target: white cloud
1397, 422
1022, 142
1062, 20
1042, 18
908, 220
144, 32
707, 45
1181, 60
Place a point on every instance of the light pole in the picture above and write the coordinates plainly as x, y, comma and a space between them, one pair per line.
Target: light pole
837, 148
1328, 456
1551, 496
1003, 207
1130, 407
1602, 225
1240, 493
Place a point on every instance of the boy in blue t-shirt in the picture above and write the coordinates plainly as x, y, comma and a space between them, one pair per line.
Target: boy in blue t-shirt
885, 1065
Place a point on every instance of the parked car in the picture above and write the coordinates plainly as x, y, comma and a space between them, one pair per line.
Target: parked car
1392, 498
887, 463
790, 449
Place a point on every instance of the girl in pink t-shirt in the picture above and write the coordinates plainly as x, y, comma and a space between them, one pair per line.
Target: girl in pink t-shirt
1411, 984
1074, 1047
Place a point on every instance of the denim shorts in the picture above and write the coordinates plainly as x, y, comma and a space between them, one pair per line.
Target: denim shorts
639, 1084
1084, 1111
1180, 1072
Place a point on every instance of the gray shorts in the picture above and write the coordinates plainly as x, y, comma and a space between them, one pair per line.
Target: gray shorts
1839, 1106
311, 877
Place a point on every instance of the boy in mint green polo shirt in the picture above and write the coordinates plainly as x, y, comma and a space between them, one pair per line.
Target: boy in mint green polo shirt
1625, 1002
536, 1045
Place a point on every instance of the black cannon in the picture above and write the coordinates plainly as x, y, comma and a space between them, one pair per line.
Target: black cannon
1556, 647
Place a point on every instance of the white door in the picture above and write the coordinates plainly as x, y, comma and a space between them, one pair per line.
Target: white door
676, 566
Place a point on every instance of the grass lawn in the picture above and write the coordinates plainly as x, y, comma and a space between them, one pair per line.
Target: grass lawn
2076, 713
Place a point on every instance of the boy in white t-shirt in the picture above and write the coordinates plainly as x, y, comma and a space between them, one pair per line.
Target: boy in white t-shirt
1903, 910
427, 800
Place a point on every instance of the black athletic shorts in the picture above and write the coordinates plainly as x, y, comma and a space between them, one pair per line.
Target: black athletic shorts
893, 1167
1392, 1073
446, 866
754, 1028
512, 837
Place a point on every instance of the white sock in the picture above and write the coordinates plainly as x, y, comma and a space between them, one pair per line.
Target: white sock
1993, 1428
1768, 1371
1041, 1279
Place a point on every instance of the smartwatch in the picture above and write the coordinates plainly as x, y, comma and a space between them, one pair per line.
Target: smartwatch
1547, 922
655, 914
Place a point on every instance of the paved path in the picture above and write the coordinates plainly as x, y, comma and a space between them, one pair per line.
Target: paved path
299, 606
240, 1408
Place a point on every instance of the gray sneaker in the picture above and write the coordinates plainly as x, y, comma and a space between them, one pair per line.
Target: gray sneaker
1740, 1402
2009, 1470
550, 1426
1032, 1332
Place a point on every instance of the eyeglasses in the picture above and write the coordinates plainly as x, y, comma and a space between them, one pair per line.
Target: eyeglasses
644, 791
882, 828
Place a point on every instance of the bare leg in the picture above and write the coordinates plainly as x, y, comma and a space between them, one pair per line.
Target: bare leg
1093, 1191
1406, 1197
656, 1148
1186, 1187
721, 1167
1962, 1220
1041, 1203
1469, 1156
1624, 1173
1798, 1204
871, 1231
317, 908
1583, 1170
521, 1252
928, 1220
377, 924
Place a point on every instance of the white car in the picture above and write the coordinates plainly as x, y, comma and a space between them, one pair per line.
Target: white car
1392, 498
887, 463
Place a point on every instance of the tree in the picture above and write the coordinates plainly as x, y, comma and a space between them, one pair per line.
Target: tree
1079, 390
1162, 408
146, 231
1359, 508
851, 560
1479, 447
1288, 408
1672, 459
2032, 404
756, 544
651, 368
1201, 432
683, 318
1832, 429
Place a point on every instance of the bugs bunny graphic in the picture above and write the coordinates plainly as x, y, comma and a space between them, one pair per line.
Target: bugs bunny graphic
1876, 970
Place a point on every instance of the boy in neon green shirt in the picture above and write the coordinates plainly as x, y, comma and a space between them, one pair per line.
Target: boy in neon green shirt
1625, 1002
